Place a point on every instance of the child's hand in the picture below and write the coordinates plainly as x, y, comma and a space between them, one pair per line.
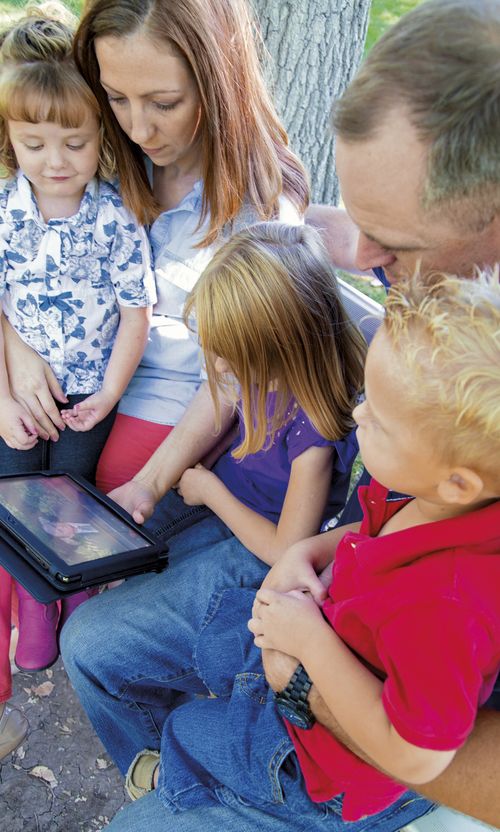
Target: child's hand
194, 484
17, 428
285, 621
87, 414
294, 571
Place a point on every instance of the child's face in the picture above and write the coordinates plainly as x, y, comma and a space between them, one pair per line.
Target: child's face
58, 162
392, 446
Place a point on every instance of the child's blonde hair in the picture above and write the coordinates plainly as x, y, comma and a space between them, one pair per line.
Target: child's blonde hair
39, 80
269, 304
446, 337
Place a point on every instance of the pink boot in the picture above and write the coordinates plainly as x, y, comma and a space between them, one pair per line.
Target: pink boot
69, 604
37, 646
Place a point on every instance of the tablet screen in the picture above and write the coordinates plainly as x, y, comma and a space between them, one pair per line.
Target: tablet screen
67, 519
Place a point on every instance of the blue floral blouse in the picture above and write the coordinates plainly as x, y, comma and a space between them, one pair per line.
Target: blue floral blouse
62, 282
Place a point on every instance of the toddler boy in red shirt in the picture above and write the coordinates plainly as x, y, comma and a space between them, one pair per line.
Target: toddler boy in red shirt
415, 591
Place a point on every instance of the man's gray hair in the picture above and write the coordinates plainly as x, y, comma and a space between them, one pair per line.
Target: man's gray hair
440, 63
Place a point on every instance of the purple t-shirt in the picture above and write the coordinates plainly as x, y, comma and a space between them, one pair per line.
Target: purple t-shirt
260, 480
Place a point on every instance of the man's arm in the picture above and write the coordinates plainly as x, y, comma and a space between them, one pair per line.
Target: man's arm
470, 784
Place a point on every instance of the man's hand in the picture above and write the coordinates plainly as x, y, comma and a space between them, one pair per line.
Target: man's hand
137, 498
17, 429
87, 414
278, 668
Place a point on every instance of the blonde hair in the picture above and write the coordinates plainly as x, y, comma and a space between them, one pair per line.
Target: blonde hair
244, 146
269, 304
446, 335
39, 80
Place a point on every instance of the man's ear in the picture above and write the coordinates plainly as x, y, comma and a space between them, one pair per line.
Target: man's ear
462, 487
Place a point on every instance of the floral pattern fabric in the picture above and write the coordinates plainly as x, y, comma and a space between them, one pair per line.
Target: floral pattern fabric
62, 282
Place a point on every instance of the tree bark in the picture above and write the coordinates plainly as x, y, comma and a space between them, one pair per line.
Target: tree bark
315, 47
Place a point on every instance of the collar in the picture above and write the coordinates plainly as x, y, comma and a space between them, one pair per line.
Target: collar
22, 199
477, 530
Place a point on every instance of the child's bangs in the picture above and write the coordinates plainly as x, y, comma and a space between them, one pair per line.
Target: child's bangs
67, 108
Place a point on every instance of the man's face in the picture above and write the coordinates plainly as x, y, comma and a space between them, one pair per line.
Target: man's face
381, 180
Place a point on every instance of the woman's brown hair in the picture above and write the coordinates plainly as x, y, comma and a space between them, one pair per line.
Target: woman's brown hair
245, 154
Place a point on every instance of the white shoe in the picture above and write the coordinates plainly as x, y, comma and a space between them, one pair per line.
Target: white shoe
13, 729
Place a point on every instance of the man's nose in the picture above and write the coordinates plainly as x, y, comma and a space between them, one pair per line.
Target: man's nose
370, 254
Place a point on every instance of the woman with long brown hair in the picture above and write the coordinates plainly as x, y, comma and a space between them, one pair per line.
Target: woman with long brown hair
200, 153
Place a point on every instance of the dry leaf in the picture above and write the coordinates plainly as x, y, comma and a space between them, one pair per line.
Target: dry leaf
102, 764
45, 689
44, 773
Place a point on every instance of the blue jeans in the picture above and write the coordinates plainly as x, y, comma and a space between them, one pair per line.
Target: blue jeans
129, 652
132, 655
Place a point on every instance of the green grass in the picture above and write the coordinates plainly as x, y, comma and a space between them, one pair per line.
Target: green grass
384, 13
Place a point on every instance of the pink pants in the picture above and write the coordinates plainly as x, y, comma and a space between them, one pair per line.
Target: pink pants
129, 446
6, 584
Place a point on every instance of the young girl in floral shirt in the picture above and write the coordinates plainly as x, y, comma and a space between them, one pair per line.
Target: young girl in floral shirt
75, 281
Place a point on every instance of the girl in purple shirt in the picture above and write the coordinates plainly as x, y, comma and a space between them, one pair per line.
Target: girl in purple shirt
279, 346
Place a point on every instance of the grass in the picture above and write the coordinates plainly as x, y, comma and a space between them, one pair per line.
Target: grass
384, 13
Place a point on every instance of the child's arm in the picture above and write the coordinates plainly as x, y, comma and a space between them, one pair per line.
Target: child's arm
128, 349
303, 565
305, 500
294, 624
17, 428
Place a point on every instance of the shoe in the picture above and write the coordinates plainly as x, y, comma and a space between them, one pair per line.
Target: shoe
13, 729
139, 779
37, 646
69, 605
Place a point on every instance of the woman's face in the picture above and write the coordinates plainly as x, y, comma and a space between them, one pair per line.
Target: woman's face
154, 98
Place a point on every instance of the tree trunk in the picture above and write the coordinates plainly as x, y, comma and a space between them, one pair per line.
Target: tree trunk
315, 46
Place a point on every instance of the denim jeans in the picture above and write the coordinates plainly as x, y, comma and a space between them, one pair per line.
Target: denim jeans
129, 651
132, 655
229, 760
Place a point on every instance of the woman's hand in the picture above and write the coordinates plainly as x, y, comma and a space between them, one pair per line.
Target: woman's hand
194, 484
17, 429
33, 384
285, 621
137, 498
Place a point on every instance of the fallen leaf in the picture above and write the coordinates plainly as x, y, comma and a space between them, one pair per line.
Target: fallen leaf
45, 689
102, 764
44, 773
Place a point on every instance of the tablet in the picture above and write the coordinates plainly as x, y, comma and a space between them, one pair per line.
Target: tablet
70, 533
